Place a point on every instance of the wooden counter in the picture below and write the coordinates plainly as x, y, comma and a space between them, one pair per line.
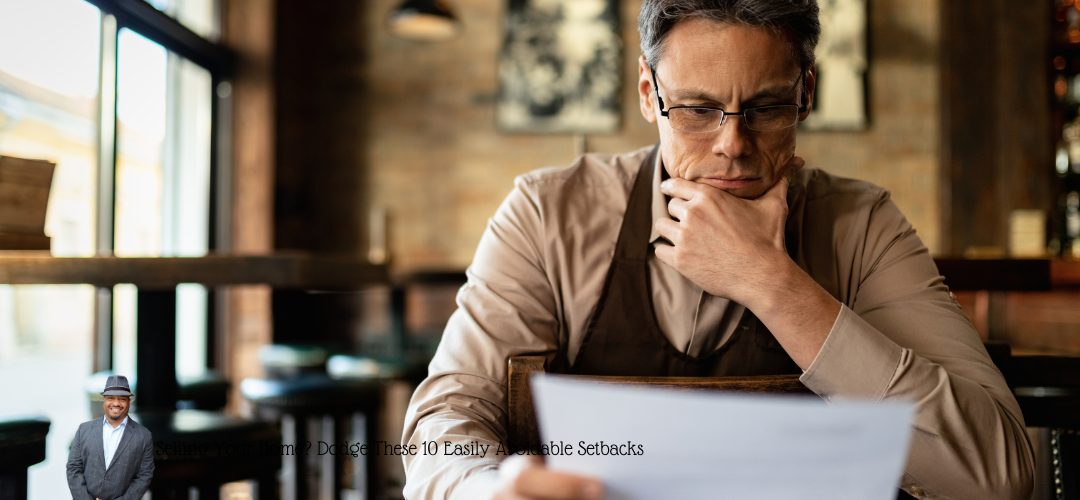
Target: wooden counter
156, 279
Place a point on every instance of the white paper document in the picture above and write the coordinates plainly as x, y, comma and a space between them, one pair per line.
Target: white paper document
652, 443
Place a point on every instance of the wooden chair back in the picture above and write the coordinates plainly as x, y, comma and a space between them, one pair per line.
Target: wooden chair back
521, 417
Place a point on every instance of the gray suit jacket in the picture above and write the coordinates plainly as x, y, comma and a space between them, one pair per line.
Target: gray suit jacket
129, 474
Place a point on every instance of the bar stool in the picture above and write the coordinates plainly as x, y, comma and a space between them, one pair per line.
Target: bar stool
22, 444
205, 450
317, 398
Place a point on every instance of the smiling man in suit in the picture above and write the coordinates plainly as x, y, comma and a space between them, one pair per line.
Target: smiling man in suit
111, 458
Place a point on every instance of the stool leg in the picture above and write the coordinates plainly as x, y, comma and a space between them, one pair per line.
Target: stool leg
339, 461
329, 464
210, 492
13, 484
294, 430
266, 487
371, 427
359, 472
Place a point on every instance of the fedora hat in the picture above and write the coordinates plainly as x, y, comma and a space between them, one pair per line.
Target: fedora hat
117, 385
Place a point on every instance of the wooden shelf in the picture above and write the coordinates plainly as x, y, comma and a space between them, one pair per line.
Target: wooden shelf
279, 271
1009, 274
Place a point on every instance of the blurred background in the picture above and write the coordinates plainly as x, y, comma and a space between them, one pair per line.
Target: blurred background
386, 133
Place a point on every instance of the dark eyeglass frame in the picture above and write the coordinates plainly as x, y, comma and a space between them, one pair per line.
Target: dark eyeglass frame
724, 114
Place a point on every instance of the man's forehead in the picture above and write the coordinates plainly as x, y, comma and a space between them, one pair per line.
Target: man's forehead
702, 45
707, 60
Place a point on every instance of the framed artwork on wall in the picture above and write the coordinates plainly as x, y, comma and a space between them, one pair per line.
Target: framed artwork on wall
560, 67
840, 99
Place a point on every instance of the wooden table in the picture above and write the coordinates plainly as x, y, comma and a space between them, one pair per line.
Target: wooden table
156, 279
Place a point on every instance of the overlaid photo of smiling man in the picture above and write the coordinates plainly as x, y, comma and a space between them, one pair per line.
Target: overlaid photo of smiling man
539, 249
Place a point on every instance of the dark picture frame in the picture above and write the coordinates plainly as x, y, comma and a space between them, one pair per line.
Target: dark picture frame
560, 67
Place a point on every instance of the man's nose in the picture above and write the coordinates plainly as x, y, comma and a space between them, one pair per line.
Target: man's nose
733, 138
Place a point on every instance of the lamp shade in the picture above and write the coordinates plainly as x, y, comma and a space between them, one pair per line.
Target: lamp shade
425, 20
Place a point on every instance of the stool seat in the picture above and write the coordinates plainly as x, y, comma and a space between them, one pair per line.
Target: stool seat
203, 449
22, 444
312, 393
287, 360
22, 441
208, 391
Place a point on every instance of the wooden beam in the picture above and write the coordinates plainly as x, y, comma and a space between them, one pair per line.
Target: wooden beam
279, 271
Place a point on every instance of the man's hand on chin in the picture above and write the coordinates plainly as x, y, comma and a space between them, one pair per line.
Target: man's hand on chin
729, 246
524, 477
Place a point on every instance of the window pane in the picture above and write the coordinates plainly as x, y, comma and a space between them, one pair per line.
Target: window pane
163, 183
48, 110
140, 139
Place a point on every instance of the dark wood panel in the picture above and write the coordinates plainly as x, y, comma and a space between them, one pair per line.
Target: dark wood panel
321, 99
996, 143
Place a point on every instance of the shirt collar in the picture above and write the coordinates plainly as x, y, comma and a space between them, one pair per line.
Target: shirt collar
659, 201
105, 422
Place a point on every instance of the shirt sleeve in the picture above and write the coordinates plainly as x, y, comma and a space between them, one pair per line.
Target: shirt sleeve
903, 337
506, 308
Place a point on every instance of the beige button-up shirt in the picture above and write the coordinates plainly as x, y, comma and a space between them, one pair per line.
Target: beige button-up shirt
539, 271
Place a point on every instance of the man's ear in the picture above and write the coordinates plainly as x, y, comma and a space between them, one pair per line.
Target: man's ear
645, 91
809, 84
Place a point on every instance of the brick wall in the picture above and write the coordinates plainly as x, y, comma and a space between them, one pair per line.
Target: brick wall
437, 163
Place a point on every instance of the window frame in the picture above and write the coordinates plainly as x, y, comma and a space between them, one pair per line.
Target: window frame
158, 27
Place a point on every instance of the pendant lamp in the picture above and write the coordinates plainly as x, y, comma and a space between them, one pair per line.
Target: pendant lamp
423, 20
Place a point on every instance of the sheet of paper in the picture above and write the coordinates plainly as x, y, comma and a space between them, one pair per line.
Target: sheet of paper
648, 443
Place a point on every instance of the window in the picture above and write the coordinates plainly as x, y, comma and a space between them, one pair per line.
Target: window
134, 179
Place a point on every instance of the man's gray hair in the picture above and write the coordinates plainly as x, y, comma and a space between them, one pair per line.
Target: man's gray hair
796, 20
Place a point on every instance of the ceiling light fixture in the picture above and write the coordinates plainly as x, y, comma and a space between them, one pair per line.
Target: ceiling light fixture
423, 20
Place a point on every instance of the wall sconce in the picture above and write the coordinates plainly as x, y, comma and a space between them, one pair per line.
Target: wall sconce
423, 20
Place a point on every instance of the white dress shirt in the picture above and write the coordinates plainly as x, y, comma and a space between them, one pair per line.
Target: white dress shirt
110, 437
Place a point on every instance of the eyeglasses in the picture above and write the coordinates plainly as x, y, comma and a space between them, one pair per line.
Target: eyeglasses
703, 119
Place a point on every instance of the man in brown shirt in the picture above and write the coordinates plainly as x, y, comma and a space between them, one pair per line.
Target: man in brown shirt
714, 253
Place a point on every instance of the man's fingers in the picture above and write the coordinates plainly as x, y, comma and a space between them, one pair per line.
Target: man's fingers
679, 188
540, 482
515, 465
665, 253
677, 208
668, 229
526, 477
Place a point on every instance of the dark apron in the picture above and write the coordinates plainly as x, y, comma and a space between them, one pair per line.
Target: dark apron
623, 336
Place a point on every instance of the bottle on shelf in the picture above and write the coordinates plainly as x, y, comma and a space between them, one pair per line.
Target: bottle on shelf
1065, 239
